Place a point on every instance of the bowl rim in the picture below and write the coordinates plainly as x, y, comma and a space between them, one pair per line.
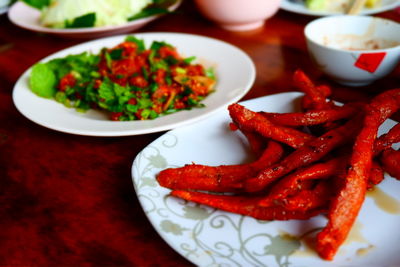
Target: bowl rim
311, 24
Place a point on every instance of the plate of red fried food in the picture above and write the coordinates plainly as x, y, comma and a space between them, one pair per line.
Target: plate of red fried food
291, 179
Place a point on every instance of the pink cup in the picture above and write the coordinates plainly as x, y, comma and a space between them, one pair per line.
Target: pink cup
238, 15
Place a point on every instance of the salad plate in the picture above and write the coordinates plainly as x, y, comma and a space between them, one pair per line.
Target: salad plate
209, 237
297, 7
3, 10
27, 18
234, 70
4, 6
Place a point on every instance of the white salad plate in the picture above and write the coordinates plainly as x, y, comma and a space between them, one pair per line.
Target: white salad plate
4, 6
298, 7
209, 237
3, 10
27, 17
234, 70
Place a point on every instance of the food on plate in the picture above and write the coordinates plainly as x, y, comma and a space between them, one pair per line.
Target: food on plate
129, 81
256, 122
329, 172
219, 178
391, 162
344, 208
337, 6
88, 13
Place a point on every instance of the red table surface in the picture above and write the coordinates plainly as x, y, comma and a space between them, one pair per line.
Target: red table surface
68, 200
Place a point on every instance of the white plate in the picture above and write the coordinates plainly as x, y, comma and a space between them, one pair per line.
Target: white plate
301, 9
4, 6
27, 17
209, 237
3, 10
235, 73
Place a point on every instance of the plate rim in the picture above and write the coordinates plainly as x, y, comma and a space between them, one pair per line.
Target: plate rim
19, 86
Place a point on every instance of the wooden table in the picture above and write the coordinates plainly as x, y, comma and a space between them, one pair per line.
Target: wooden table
68, 200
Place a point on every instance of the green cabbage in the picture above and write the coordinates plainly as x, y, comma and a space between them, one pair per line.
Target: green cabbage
61, 13
339, 6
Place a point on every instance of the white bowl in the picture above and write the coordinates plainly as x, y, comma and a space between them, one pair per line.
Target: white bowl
354, 50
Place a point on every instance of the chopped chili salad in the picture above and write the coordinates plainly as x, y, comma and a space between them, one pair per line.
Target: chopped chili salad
128, 81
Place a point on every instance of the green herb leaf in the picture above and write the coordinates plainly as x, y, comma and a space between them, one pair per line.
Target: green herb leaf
139, 42
60, 97
132, 108
180, 70
210, 73
116, 54
158, 64
158, 7
108, 59
83, 21
145, 103
39, 4
163, 3
153, 114
153, 87
84, 64
145, 73
156, 45
42, 80
189, 60
151, 11
106, 90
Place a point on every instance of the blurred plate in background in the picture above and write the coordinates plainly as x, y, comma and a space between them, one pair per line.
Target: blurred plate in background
298, 7
27, 17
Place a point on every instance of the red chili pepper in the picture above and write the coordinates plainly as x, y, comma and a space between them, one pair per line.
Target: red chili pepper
66, 82
138, 81
132, 101
160, 76
129, 49
167, 51
125, 67
194, 70
115, 116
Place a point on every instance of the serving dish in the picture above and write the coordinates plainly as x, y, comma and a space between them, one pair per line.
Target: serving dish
209, 237
234, 70
299, 8
27, 18
4, 6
